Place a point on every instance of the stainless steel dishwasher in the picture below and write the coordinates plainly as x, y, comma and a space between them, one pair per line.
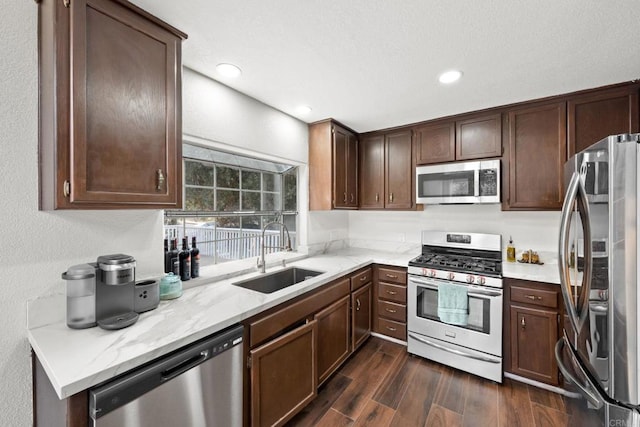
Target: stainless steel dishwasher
199, 385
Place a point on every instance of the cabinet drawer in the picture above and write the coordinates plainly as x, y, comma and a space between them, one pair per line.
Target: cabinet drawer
541, 297
360, 279
392, 275
392, 311
393, 293
393, 329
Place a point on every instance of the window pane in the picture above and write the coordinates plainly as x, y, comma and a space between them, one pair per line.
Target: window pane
269, 182
251, 222
250, 180
290, 222
198, 199
290, 192
197, 173
250, 201
228, 222
271, 202
228, 200
227, 177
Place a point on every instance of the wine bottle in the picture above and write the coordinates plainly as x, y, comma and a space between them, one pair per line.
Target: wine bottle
185, 261
174, 261
195, 259
167, 259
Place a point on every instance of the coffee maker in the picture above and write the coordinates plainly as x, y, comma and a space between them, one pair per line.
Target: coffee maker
115, 291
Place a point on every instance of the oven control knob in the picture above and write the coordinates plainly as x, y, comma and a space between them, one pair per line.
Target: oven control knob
470, 278
432, 273
480, 280
451, 276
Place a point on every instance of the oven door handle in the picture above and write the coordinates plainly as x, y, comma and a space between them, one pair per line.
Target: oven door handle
454, 351
474, 291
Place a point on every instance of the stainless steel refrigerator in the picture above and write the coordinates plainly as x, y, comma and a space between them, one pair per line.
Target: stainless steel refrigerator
599, 352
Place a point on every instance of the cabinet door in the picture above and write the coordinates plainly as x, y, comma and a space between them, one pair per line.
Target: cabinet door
372, 172
352, 171
399, 170
340, 144
334, 339
125, 110
479, 137
283, 376
534, 334
537, 154
361, 318
597, 115
435, 143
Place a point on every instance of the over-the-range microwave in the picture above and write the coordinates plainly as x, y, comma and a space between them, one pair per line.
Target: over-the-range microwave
461, 182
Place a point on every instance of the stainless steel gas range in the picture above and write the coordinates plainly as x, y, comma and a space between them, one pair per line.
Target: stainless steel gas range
473, 263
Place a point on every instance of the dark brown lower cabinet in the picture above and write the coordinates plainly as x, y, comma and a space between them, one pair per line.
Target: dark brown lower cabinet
283, 376
333, 337
361, 317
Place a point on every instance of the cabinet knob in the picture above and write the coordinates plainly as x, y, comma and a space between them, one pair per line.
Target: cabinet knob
345, 198
391, 197
523, 323
160, 179
391, 292
377, 197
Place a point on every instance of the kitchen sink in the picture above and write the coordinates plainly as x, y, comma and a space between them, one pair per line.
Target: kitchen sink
268, 283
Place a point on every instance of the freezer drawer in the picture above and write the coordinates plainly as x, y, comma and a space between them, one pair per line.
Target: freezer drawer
200, 385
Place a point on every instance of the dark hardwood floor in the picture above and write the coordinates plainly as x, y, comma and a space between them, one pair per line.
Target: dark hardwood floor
382, 385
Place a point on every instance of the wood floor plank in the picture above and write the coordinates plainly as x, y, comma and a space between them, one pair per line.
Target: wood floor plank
548, 417
375, 415
515, 405
358, 362
327, 395
415, 404
396, 382
451, 391
334, 419
443, 417
391, 348
356, 396
481, 403
546, 398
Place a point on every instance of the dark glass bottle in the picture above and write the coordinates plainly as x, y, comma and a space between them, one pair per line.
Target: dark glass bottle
195, 259
174, 261
167, 259
185, 261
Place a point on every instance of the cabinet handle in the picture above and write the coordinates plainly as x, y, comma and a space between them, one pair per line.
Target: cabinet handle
66, 3
345, 198
391, 197
533, 297
351, 197
377, 197
363, 278
523, 323
391, 329
391, 292
391, 276
357, 304
390, 310
160, 179
66, 188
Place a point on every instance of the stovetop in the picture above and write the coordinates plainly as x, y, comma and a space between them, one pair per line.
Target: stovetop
459, 263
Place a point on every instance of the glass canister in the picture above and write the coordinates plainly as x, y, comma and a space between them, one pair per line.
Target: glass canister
81, 296
170, 287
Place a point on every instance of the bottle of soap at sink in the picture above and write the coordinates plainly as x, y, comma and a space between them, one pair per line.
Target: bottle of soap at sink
511, 251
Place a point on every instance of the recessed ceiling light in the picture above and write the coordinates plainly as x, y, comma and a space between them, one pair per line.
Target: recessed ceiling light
450, 76
228, 70
304, 109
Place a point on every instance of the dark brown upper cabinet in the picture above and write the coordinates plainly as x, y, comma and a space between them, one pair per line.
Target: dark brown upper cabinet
387, 171
597, 115
333, 166
469, 138
535, 145
110, 107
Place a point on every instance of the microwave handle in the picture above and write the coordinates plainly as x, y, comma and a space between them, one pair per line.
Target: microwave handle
476, 182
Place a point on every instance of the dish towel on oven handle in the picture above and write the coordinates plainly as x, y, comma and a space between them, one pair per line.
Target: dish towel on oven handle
453, 303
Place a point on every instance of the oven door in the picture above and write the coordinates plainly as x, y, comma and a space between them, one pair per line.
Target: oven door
483, 331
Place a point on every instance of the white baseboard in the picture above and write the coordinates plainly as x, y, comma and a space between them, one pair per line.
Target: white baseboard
542, 385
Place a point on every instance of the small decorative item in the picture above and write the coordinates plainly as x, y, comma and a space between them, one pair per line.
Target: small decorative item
170, 287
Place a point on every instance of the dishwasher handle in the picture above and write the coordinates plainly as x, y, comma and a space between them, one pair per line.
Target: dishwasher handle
184, 366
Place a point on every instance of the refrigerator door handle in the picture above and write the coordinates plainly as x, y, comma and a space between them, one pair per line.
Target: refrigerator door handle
575, 194
586, 389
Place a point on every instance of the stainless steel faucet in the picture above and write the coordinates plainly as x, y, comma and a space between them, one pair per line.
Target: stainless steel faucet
262, 265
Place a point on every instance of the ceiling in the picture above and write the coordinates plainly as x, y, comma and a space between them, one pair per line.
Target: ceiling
373, 64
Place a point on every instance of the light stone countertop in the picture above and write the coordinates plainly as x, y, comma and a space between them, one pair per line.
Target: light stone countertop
75, 360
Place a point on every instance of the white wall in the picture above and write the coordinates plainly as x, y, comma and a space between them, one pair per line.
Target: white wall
530, 230
36, 247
